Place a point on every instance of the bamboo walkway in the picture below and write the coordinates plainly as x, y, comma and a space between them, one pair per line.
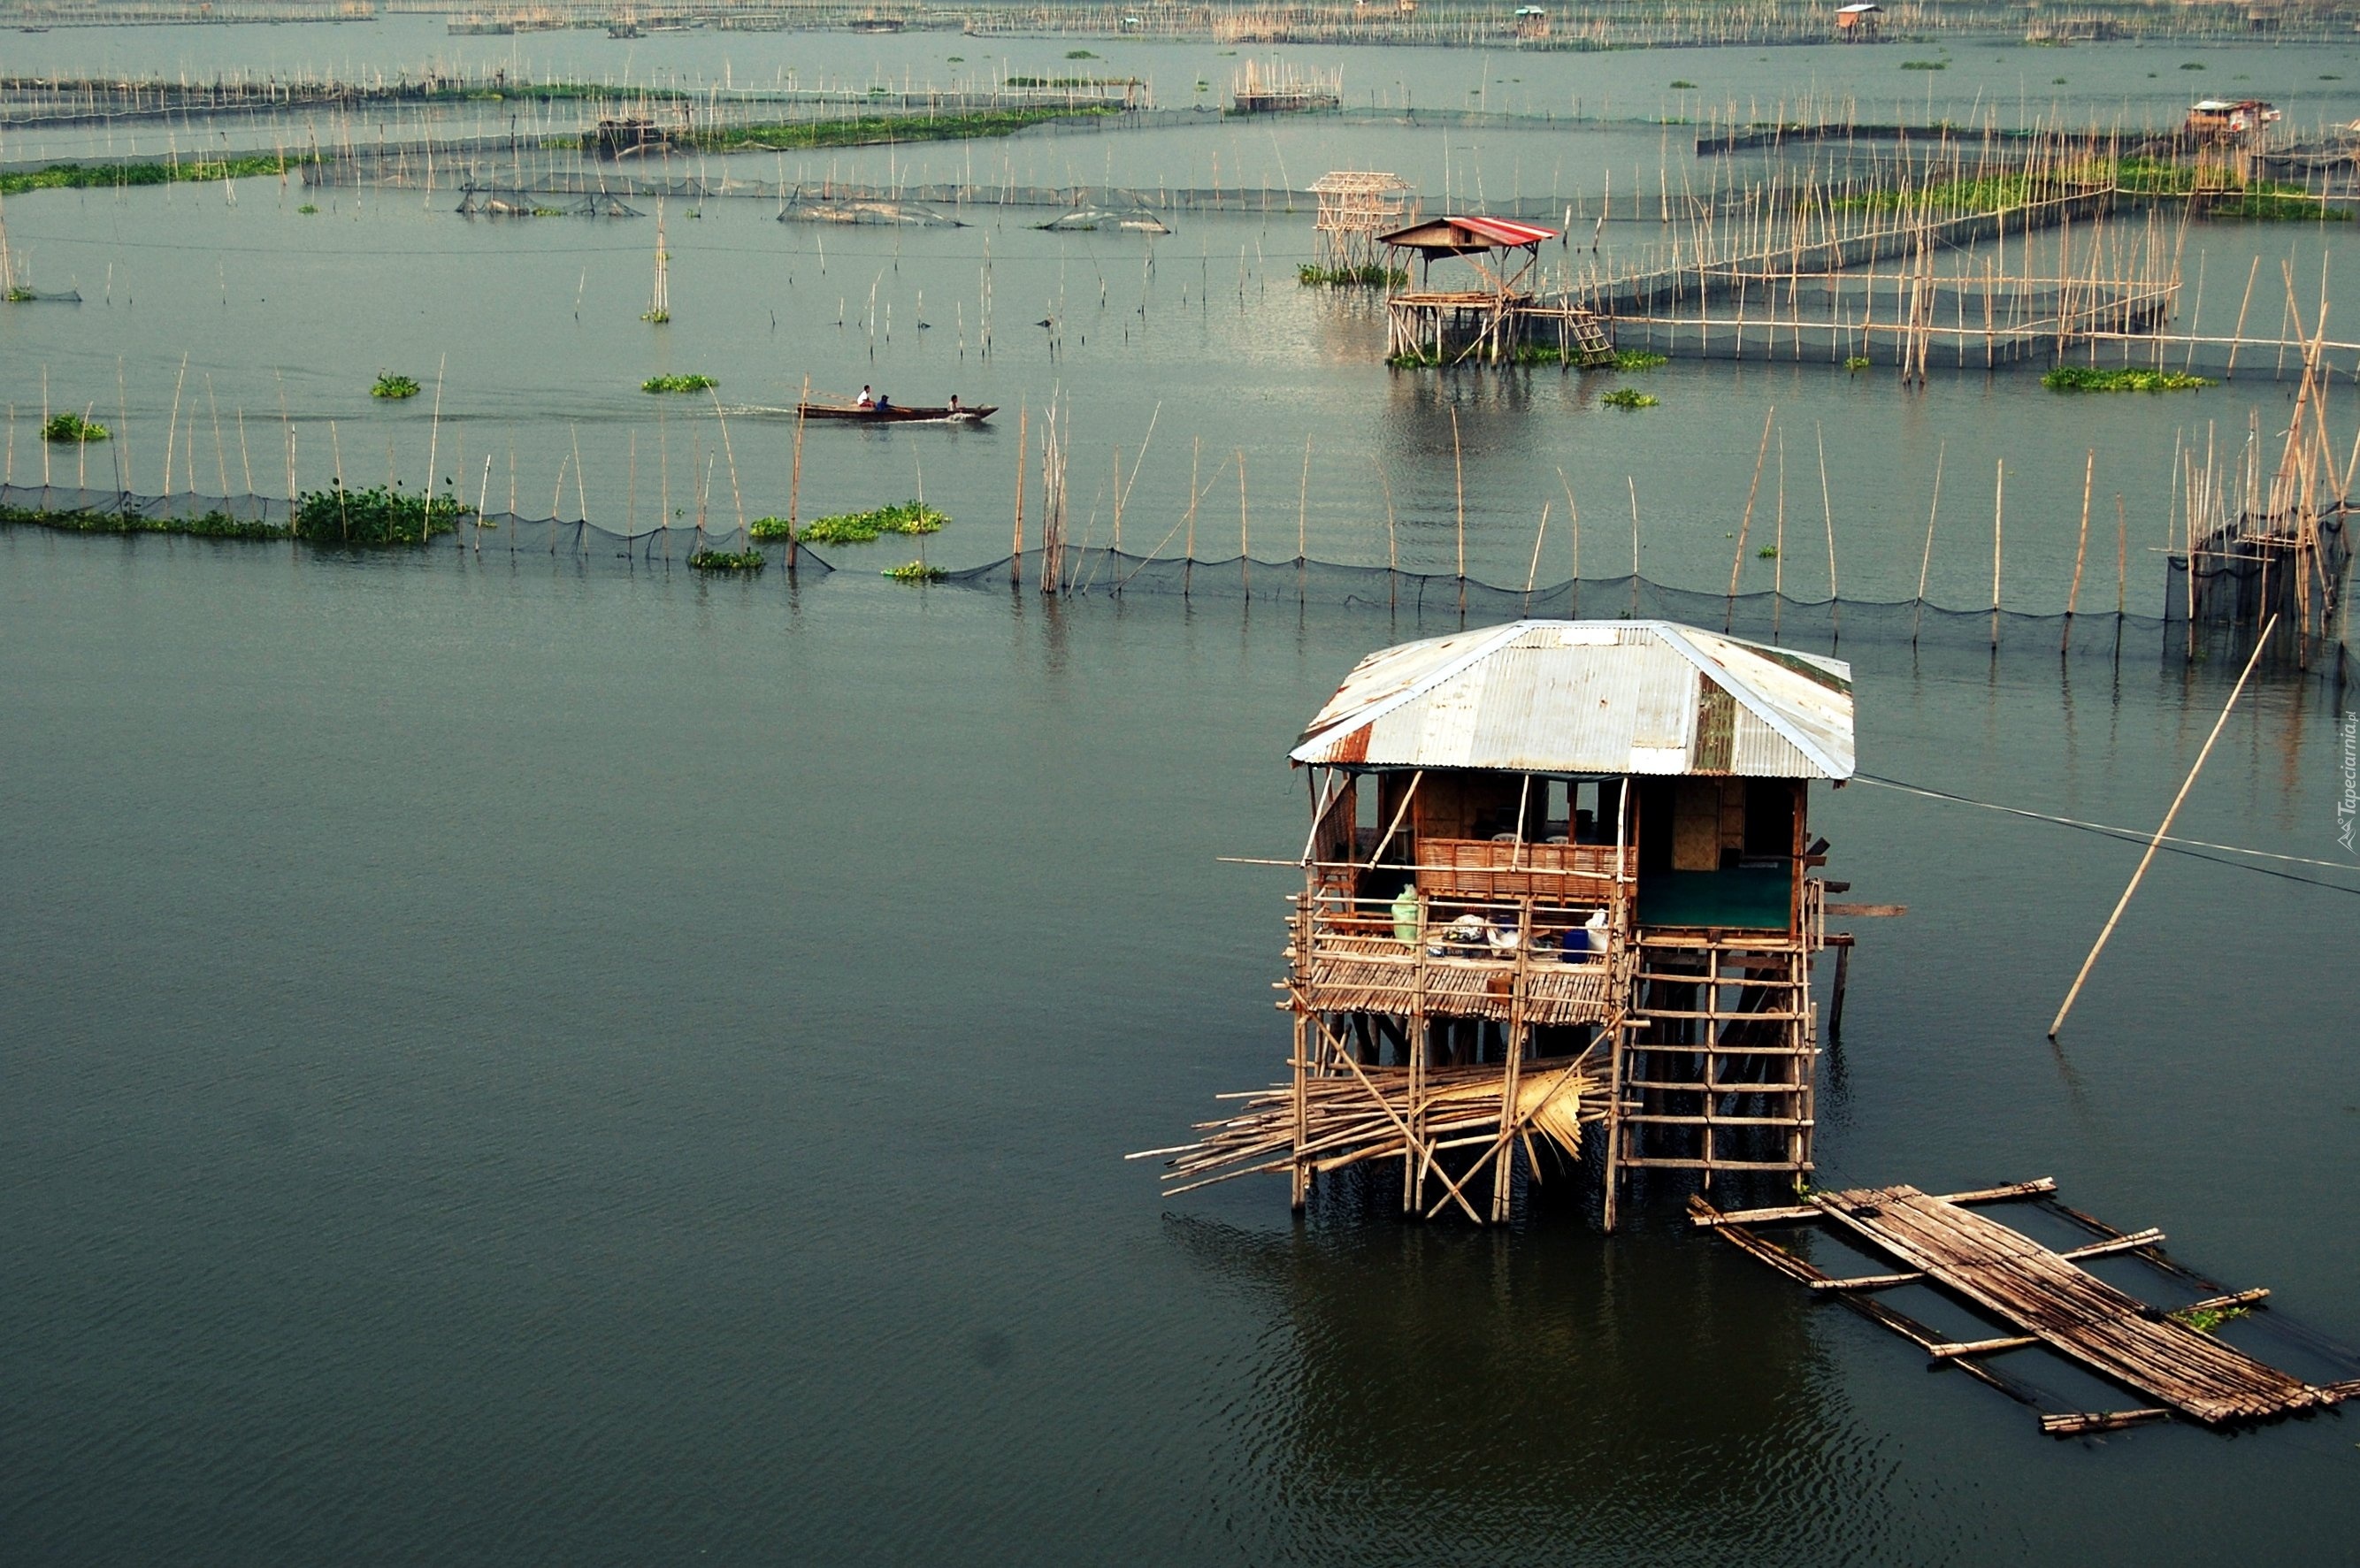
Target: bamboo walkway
2044, 1297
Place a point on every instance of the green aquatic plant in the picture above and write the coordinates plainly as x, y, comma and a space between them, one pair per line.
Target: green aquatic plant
1368, 275
1638, 359
207, 524
1767, 552
2091, 378
307, 209
657, 316
1682, 84
378, 514
1857, 363
1925, 65
390, 384
2191, 65
678, 383
865, 130
73, 427
1079, 54
1629, 397
2204, 1320
109, 176
867, 528
769, 529
726, 561
913, 572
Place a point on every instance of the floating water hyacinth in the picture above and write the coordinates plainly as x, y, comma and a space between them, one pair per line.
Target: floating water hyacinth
73, 427
867, 528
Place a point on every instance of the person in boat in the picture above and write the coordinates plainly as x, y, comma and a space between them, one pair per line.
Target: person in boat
884, 404
867, 399
955, 410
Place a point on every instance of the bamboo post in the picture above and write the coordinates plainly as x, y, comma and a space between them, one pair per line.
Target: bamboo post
1245, 547
1746, 523
1016, 552
2122, 561
2156, 842
795, 474
1999, 499
1927, 560
1827, 504
2080, 550
1458, 471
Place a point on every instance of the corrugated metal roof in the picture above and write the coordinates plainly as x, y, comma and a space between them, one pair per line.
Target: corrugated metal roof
1465, 233
1603, 697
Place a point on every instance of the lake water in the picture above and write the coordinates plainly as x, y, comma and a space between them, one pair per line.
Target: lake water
512, 1057
506, 1063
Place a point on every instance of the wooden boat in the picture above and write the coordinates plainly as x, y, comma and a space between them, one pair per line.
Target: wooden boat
897, 414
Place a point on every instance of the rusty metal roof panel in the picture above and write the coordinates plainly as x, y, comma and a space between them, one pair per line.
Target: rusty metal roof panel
1609, 697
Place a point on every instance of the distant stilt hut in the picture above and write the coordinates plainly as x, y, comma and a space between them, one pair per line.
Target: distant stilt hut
1556, 878
1858, 23
1430, 326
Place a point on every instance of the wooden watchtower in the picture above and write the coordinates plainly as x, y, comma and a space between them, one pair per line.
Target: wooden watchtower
1557, 877
1355, 207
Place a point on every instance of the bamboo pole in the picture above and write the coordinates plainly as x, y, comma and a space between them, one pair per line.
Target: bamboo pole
2080, 550
795, 474
2260, 643
1999, 499
1016, 551
1927, 560
1458, 471
1746, 523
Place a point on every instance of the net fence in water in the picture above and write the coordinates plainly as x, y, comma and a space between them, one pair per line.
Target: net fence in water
80, 510
1428, 601
1436, 601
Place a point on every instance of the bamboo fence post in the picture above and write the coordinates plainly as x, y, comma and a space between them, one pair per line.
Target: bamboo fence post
2156, 842
1827, 503
1016, 551
1189, 556
1999, 499
1633, 481
1927, 560
2080, 550
1458, 471
2122, 561
1245, 547
795, 474
1746, 523
2237, 338
1533, 572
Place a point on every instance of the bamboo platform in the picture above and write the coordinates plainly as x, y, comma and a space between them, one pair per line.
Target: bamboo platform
2045, 1299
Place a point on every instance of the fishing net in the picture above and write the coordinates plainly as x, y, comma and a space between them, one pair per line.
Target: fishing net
1432, 602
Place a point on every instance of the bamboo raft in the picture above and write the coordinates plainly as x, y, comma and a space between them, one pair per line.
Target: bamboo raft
2044, 1296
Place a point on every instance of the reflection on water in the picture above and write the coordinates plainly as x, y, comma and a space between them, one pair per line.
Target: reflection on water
1438, 1391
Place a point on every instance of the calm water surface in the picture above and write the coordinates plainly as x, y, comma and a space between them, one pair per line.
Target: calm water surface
513, 1057
512, 1064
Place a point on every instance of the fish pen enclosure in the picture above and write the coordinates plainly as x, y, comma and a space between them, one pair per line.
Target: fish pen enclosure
2261, 547
1556, 878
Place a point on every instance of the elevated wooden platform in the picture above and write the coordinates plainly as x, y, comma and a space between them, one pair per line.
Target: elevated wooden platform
2045, 1297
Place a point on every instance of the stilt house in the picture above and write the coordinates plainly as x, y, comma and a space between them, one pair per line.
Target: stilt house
1557, 877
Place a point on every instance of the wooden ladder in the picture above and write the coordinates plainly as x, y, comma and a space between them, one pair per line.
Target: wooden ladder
1590, 344
1718, 1070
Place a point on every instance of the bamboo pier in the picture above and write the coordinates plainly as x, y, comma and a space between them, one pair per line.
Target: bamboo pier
2042, 1298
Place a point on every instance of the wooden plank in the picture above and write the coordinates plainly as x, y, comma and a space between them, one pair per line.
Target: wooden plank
1982, 1346
2073, 1311
2076, 1424
2036, 1187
